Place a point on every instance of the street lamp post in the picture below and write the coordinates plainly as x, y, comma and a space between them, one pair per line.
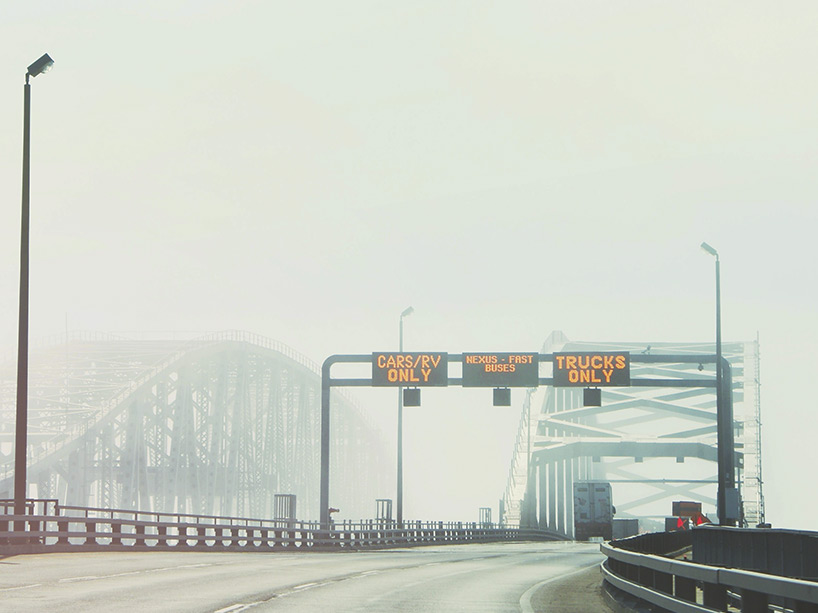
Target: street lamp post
724, 417
406, 313
20, 440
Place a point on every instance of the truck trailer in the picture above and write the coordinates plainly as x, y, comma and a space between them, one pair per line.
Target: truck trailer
593, 510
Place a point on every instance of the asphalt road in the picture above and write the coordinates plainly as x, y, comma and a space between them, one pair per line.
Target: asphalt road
482, 578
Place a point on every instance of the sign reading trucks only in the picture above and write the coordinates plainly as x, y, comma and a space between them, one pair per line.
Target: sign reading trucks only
592, 369
410, 369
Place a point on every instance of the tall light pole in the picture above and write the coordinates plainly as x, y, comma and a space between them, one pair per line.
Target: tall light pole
20, 440
406, 313
724, 418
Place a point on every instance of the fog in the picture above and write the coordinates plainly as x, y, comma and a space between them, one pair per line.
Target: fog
306, 171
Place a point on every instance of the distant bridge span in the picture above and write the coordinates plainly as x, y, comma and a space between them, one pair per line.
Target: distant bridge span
215, 425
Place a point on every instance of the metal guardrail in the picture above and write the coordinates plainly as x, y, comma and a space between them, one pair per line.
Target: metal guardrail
50, 527
789, 553
681, 586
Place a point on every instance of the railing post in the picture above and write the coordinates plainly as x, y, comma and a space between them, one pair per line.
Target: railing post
139, 541
62, 528
34, 526
90, 529
116, 533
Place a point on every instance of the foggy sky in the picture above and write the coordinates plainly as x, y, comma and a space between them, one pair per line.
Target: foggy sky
307, 170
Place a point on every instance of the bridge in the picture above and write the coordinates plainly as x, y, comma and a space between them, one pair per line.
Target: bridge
196, 444
654, 444
216, 425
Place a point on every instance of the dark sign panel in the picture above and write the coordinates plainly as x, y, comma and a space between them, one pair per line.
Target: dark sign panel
592, 369
410, 369
686, 508
500, 370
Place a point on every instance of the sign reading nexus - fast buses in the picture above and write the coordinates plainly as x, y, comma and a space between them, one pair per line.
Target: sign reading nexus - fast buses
500, 370
592, 369
410, 369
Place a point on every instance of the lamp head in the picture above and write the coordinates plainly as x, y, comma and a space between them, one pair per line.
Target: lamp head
710, 249
407, 312
40, 66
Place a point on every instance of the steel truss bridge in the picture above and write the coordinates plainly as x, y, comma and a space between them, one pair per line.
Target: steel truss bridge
215, 426
221, 424
654, 444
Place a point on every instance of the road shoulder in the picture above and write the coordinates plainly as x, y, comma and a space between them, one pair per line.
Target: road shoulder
579, 592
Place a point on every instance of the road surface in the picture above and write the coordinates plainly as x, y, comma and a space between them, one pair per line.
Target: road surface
491, 578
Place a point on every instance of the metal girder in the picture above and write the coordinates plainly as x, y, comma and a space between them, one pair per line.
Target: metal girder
621, 448
664, 432
217, 425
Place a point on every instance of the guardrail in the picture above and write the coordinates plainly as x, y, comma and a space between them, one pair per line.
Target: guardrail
790, 553
50, 527
681, 586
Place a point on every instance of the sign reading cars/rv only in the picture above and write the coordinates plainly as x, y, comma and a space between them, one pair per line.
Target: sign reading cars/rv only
500, 370
410, 369
592, 369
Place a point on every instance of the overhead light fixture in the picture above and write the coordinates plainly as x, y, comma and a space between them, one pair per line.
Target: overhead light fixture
710, 249
42, 65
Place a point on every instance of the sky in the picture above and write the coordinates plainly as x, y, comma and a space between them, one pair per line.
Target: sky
307, 170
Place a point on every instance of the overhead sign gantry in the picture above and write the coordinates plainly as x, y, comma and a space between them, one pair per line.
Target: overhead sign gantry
411, 370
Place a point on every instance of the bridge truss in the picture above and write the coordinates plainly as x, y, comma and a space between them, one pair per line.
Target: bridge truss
216, 425
655, 445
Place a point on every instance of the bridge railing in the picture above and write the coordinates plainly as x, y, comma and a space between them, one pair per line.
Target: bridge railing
790, 553
647, 567
48, 526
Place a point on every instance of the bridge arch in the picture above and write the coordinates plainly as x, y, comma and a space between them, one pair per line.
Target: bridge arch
214, 425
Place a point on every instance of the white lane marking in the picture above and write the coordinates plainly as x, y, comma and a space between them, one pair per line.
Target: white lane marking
19, 587
232, 607
304, 586
85, 578
235, 608
131, 572
525, 599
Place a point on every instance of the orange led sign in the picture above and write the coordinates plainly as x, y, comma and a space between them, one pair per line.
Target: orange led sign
500, 370
410, 369
592, 369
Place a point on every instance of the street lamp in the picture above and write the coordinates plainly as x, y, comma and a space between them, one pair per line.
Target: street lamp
724, 418
42, 65
406, 313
